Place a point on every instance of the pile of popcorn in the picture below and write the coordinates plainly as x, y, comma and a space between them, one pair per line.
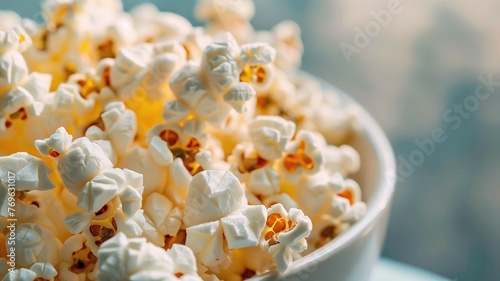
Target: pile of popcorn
138, 147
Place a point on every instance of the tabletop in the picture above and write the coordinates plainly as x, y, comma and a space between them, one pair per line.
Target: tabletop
388, 270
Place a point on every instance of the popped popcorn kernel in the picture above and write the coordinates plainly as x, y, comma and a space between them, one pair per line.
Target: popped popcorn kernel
285, 234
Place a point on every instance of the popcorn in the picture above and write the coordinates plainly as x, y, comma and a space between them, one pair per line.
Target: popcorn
134, 259
68, 107
356, 209
208, 91
154, 26
184, 262
325, 230
145, 68
179, 152
22, 94
163, 219
270, 135
288, 45
77, 260
303, 156
8, 20
226, 15
285, 234
246, 263
36, 244
314, 192
77, 161
38, 271
343, 159
28, 173
256, 61
256, 172
76, 35
151, 162
195, 42
120, 127
112, 202
217, 216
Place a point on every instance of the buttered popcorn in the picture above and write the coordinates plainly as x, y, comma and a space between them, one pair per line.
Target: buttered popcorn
144, 148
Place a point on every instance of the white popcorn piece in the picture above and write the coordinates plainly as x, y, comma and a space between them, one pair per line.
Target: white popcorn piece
120, 127
20, 103
212, 196
227, 15
184, 263
44, 271
22, 274
282, 198
23, 172
288, 45
243, 227
104, 224
256, 60
343, 125
284, 235
325, 229
195, 42
181, 143
154, 26
238, 97
351, 196
194, 98
14, 39
303, 156
8, 20
338, 207
219, 64
314, 193
163, 219
77, 162
190, 135
254, 171
270, 135
211, 90
121, 258
146, 68
207, 241
151, 162
246, 263
36, 244
77, 34
180, 179
68, 108
113, 201
118, 35
22, 94
77, 260
125, 184
343, 159
46, 208
216, 207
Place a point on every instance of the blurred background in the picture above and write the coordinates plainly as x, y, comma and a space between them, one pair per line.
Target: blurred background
416, 66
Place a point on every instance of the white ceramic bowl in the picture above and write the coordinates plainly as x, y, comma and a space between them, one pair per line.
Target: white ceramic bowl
352, 255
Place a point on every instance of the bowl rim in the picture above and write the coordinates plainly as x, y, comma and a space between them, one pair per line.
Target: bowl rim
381, 200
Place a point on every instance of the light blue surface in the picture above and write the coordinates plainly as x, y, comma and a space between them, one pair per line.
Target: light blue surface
388, 270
